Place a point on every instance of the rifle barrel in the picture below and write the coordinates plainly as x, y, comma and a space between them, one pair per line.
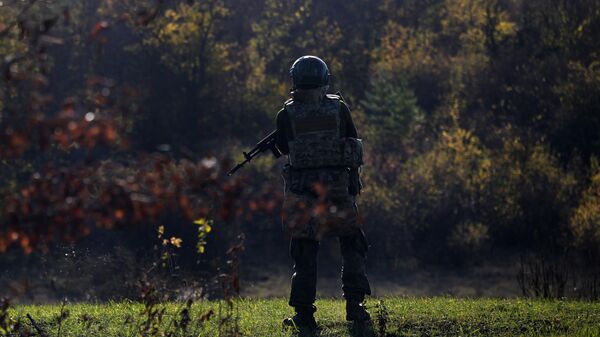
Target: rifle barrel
237, 167
266, 143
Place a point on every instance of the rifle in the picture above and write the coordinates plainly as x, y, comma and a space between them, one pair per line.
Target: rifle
267, 143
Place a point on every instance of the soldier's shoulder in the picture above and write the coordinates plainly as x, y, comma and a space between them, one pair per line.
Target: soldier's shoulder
281, 113
335, 97
288, 102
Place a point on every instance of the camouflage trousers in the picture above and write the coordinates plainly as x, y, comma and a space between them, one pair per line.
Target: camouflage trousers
317, 203
355, 284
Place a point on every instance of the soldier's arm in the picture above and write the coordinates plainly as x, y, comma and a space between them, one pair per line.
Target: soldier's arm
349, 129
282, 123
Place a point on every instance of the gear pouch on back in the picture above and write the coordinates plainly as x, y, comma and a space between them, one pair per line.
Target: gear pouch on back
346, 152
352, 152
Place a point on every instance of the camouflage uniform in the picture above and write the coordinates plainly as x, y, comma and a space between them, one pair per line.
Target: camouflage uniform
318, 135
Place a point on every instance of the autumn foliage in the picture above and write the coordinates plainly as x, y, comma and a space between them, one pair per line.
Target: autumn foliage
479, 118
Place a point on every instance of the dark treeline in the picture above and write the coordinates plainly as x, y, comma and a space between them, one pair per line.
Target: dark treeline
481, 118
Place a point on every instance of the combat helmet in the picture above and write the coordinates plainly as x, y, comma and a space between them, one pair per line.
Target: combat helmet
309, 72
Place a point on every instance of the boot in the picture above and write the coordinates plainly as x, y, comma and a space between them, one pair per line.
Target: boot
355, 311
303, 319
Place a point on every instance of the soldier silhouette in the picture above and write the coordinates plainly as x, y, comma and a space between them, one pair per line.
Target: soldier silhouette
321, 181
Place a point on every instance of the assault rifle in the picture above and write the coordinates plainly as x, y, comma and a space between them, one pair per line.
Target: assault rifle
267, 143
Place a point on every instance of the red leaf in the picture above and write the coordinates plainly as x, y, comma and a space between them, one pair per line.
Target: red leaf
98, 28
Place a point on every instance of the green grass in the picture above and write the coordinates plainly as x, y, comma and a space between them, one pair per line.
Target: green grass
406, 317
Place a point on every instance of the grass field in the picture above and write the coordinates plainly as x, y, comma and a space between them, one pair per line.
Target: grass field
443, 316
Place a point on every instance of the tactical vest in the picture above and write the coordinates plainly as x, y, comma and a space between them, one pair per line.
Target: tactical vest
316, 132
317, 199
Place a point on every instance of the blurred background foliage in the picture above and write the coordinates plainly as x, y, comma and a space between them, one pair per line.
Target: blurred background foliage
481, 118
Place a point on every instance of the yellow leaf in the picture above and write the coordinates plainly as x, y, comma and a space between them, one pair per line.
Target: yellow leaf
161, 231
200, 221
176, 242
171, 13
207, 228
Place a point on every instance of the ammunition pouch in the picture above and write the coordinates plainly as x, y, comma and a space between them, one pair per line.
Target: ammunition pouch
352, 152
342, 152
331, 184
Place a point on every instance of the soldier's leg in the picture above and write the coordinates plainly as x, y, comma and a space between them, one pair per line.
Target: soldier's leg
304, 280
355, 284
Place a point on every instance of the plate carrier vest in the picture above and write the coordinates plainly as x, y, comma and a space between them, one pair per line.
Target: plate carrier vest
318, 173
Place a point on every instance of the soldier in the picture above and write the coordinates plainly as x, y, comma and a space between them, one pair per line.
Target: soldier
321, 179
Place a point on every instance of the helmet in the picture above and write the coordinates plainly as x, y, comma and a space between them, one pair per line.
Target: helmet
309, 72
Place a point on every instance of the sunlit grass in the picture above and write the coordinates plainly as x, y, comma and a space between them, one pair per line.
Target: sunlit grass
442, 316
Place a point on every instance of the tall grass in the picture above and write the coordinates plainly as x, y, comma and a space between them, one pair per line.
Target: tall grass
443, 316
